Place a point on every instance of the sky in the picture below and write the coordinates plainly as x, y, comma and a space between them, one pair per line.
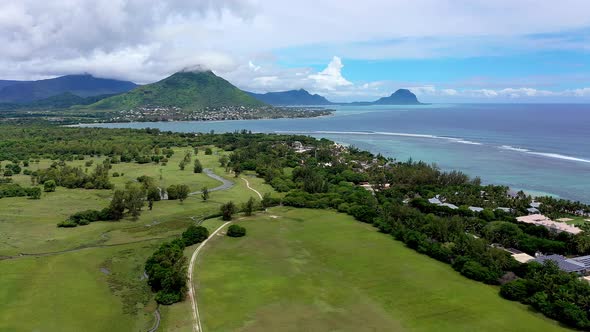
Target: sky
442, 50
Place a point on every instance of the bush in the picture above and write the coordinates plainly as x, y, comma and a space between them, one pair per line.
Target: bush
236, 231
67, 224
194, 234
515, 290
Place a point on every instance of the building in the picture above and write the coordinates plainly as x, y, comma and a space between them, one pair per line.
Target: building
569, 265
541, 220
533, 210
475, 209
518, 255
435, 201
450, 206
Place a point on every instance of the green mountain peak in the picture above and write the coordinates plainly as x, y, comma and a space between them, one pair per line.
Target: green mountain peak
189, 90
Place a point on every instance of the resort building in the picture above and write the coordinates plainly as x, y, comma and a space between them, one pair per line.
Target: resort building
518, 255
450, 206
435, 201
571, 265
475, 209
541, 220
533, 210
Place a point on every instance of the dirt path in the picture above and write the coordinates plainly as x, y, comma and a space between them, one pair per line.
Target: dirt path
254, 190
191, 291
225, 183
157, 322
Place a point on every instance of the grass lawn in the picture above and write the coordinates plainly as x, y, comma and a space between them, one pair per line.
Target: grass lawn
314, 270
99, 288
88, 290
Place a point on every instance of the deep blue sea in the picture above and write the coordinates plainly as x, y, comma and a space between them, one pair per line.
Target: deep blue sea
541, 148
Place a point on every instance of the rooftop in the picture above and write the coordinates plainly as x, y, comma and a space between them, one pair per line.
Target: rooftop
541, 220
564, 264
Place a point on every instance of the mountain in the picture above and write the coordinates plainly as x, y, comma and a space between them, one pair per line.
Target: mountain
400, 97
79, 85
61, 101
187, 90
291, 97
4, 83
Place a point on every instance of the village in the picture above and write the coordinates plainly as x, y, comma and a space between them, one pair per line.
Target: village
173, 113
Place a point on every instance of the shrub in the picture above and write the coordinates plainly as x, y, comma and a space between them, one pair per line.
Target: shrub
236, 231
194, 234
515, 290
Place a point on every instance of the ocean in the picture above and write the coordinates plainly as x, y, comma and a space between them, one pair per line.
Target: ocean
539, 148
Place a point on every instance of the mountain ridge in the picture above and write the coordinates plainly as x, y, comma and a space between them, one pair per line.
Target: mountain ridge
83, 85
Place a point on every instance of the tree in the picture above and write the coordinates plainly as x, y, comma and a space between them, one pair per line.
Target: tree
134, 199
196, 150
249, 206
194, 234
172, 191
505, 233
236, 231
223, 160
181, 165
49, 186
35, 193
205, 193
153, 194
198, 167
183, 191
227, 210
117, 206
208, 151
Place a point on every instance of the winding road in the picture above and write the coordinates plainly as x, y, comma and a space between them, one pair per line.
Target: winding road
226, 184
191, 290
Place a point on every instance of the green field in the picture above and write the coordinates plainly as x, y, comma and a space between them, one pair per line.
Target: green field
314, 270
97, 283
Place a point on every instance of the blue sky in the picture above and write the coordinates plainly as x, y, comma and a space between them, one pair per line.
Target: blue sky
444, 51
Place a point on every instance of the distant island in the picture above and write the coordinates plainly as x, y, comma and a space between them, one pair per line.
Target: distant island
291, 97
303, 97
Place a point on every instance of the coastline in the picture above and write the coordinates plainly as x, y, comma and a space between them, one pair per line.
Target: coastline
537, 157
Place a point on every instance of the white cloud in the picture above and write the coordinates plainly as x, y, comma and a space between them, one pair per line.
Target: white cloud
245, 40
252, 66
331, 77
583, 92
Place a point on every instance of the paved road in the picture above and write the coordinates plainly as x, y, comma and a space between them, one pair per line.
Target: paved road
226, 184
191, 291
157, 322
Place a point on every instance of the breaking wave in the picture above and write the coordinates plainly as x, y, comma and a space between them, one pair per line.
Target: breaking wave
446, 138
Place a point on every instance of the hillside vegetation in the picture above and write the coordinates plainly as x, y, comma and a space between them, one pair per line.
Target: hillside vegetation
187, 90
